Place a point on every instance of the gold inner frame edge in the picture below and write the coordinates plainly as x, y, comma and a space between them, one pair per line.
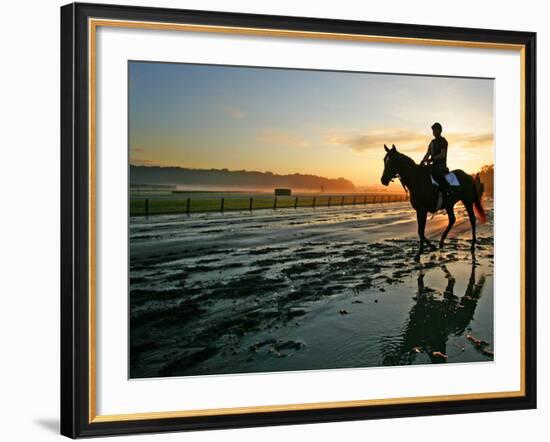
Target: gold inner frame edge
93, 24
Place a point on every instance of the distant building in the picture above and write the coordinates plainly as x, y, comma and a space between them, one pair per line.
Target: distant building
282, 192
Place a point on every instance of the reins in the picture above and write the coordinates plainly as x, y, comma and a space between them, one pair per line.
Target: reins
401, 181
404, 187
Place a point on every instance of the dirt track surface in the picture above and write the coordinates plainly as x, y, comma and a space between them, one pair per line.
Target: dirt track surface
308, 289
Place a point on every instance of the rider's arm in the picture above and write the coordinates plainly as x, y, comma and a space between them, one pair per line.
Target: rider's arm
441, 155
426, 157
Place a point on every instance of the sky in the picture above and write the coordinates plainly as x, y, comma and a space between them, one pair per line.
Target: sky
285, 121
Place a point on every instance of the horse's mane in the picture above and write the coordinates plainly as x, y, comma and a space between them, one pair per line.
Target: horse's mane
408, 161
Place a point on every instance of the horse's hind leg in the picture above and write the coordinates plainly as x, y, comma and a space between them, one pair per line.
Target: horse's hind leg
472, 216
429, 244
452, 219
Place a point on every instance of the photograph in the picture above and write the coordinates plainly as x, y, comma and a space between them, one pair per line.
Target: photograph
277, 220
284, 219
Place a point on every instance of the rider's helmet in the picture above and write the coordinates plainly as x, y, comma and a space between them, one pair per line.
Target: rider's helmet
437, 126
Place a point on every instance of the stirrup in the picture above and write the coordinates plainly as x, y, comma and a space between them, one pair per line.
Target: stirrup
439, 205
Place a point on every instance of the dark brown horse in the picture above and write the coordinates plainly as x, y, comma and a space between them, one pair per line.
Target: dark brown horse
424, 196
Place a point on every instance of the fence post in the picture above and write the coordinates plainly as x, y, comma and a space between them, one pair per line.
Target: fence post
329, 198
146, 206
296, 203
188, 208
223, 200
275, 203
250, 204
313, 205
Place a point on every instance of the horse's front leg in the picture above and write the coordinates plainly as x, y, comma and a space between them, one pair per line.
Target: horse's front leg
421, 221
423, 236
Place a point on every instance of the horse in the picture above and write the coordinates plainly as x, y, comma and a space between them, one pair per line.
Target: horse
423, 195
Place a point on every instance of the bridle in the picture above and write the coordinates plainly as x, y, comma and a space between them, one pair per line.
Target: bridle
400, 180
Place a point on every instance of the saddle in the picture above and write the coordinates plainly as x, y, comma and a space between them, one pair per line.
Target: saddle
451, 179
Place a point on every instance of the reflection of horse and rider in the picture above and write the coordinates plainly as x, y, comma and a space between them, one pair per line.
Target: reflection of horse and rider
434, 319
449, 188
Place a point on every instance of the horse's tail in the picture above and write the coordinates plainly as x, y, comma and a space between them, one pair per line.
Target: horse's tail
478, 207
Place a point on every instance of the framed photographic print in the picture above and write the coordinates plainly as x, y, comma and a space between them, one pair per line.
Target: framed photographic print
274, 220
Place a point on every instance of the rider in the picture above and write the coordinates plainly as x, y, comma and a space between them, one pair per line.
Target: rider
436, 159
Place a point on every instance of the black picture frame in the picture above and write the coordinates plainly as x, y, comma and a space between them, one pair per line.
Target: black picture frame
75, 220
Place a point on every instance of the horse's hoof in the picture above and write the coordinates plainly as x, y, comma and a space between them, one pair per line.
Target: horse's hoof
417, 257
441, 245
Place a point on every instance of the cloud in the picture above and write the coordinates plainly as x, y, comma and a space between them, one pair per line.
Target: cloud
137, 150
405, 139
375, 139
282, 138
235, 113
472, 140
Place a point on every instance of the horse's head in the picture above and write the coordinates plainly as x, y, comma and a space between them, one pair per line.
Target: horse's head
391, 165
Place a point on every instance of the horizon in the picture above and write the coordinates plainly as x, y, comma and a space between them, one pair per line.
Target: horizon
377, 184
289, 121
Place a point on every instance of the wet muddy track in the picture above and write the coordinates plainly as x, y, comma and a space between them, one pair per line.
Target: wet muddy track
240, 293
